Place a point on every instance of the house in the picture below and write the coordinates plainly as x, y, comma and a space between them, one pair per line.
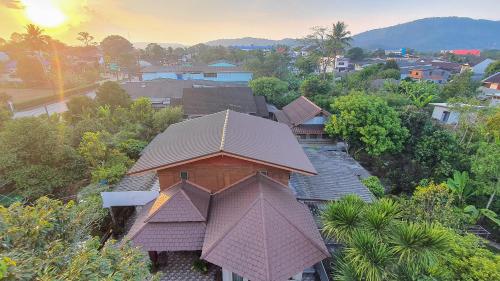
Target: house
166, 92
449, 114
222, 63
233, 74
306, 119
223, 190
198, 102
435, 75
491, 89
452, 67
341, 64
478, 67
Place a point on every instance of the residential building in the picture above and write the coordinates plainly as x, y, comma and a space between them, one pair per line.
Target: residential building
233, 74
306, 119
222, 63
221, 187
478, 67
450, 114
492, 82
491, 89
341, 64
436, 75
198, 102
166, 92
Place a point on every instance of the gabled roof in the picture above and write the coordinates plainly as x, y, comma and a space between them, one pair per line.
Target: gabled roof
203, 101
193, 68
180, 203
225, 133
495, 78
258, 230
299, 111
175, 221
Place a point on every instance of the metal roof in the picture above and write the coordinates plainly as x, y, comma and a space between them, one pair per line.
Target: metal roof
299, 111
225, 133
144, 182
193, 68
258, 230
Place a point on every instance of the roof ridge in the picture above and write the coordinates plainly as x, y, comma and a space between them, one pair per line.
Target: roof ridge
315, 105
238, 221
268, 265
224, 128
192, 203
294, 226
150, 216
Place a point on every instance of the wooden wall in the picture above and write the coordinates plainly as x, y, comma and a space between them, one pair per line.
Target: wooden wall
218, 172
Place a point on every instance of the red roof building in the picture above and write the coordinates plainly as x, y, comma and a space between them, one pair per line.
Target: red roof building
466, 52
223, 189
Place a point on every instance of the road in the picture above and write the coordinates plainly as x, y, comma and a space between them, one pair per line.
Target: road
58, 107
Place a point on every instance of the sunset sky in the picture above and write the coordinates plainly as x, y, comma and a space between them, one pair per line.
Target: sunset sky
194, 21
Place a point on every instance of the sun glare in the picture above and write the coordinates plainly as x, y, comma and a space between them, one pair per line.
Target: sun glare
44, 13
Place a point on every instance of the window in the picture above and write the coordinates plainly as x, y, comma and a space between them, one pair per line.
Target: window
184, 175
210, 75
313, 136
445, 116
264, 172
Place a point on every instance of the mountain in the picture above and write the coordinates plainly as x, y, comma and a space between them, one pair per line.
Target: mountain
248, 41
433, 34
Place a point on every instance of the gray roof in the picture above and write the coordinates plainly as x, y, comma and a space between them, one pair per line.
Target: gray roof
144, 182
338, 175
225, 133
203, 101
167, 88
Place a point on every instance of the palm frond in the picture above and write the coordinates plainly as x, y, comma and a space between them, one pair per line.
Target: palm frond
341, 218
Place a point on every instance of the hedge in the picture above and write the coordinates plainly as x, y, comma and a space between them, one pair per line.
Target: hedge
54, 98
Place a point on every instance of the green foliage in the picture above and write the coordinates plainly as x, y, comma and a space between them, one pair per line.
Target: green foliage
78, 106
389, 74
461, 187
31, 71
314, 85
48, 241
272, 88
307, 64
375, 186
466, 259
272, 64
420, 93
355, 54
111, 94
391, 64
165, 117
367, 123
460, 86
132, 147
25, 161
200, 266
378, 245
492, 68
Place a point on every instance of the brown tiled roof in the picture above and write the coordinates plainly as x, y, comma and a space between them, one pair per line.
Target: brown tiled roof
495, 78
299, 111
203, 101
175, 221
192, 68
225, 133
309, 129
258, 230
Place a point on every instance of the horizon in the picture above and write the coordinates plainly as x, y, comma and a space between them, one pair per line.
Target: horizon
64, 19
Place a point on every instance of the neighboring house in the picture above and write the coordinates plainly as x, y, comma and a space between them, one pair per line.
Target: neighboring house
491, 89
223, 190
338, 175
452, 67
341, 64
222, 63
306, 119
198, 102
478, 67
4, 57
448, 114
197, 72
435, 75
166, 92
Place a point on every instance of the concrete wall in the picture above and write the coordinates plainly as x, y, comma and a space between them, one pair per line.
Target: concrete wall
438, 112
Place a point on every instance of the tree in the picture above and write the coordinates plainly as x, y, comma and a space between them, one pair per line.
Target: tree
377, 244
155, 54
420, 93
307, 64
86, 38
35, 155
50, 240
355, 54
461, 187
37, 41
115, 45
78, 106
486, 167
339, 39
366, 123
492, 68
391, 64
110, 93
313, 85
460, 86
270, 87
31, 71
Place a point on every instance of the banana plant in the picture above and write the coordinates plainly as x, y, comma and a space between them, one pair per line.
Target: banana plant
477, 213
460, 187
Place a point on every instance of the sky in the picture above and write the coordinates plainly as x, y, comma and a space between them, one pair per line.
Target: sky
194, 21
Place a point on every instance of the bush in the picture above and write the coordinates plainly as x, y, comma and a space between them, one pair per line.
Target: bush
132, 147
375, 186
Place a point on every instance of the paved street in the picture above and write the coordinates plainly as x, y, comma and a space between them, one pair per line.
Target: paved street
58, 107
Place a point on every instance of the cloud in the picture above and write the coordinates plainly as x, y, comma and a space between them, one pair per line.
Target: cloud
12, 4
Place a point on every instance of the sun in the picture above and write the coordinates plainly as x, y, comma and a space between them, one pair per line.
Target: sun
44, 13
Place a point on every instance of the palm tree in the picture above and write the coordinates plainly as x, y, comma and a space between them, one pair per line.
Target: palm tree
378, 245
37, 41
85, 38
339, 39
